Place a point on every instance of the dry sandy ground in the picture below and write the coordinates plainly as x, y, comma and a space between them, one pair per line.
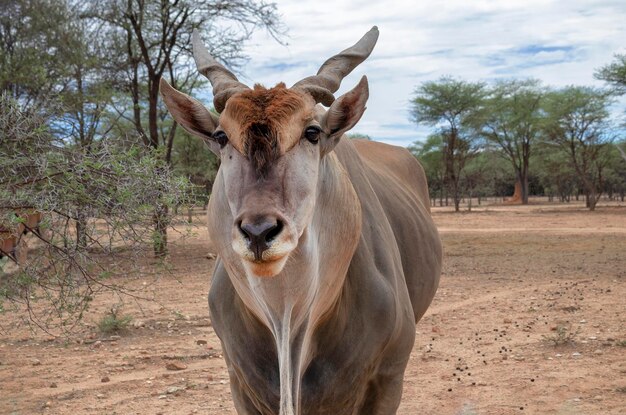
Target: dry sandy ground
512, 275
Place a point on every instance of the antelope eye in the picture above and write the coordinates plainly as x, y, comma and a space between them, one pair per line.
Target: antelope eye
312, 134
221, 138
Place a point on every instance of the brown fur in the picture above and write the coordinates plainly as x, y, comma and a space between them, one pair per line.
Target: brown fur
262, 117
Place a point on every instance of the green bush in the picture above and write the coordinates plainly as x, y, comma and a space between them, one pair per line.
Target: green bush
114, 322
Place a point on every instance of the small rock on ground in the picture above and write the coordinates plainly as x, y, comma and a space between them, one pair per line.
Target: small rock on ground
176, 366
174, 389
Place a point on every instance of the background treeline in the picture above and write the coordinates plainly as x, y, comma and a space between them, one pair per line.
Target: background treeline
89, 151
491, 138
86, 144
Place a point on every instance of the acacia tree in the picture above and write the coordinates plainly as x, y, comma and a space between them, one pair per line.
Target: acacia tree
452, 105
578, 123
33, 59
52, 59
430, 155
151, 39
512, 119
621, 151
615, 177
88, 96
192, 159
483, 174
39, 173
614, 73
555, 172
50, 62
89, 92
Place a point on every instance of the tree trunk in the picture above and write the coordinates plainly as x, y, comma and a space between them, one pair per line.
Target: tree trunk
160, 230
592, 200
454, 187
524, 189
81, 231
523, 174
160, 210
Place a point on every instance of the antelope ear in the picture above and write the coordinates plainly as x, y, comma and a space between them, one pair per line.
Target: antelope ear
344, 113
191, 114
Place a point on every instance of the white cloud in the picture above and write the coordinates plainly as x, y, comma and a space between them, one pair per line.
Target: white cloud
556, 41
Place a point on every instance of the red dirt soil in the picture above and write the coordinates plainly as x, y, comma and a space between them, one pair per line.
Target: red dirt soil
512, 276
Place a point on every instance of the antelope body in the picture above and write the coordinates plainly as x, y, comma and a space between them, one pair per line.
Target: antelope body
327, 252
11, 240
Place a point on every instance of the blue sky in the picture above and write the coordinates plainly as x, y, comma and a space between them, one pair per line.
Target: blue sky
559, 42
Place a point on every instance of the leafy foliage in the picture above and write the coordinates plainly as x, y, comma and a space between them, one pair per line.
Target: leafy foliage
115, 185
614, 73
114, 322
430, 155
85, 142
578, 123
512, 119
150, 40
33, 65
191, 158
453, 106
555, 141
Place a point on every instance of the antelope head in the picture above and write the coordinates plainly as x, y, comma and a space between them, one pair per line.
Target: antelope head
271, 142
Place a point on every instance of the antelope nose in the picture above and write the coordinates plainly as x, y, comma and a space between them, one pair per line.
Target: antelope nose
260, 233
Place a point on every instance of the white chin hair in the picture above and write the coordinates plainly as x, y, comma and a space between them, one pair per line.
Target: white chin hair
265, 269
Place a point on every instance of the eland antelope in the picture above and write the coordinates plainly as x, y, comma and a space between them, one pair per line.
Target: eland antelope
327, 253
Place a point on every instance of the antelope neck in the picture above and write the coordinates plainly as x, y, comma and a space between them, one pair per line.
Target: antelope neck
292, 303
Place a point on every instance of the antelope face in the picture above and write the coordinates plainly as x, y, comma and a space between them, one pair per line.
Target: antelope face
270, 158
271, 143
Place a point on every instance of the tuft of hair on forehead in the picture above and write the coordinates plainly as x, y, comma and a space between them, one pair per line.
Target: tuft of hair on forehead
261, 114
261, 146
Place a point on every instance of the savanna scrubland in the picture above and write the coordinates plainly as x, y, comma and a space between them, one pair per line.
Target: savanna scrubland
527, 319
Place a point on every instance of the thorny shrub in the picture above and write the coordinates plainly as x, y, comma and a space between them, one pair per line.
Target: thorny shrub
97, 207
